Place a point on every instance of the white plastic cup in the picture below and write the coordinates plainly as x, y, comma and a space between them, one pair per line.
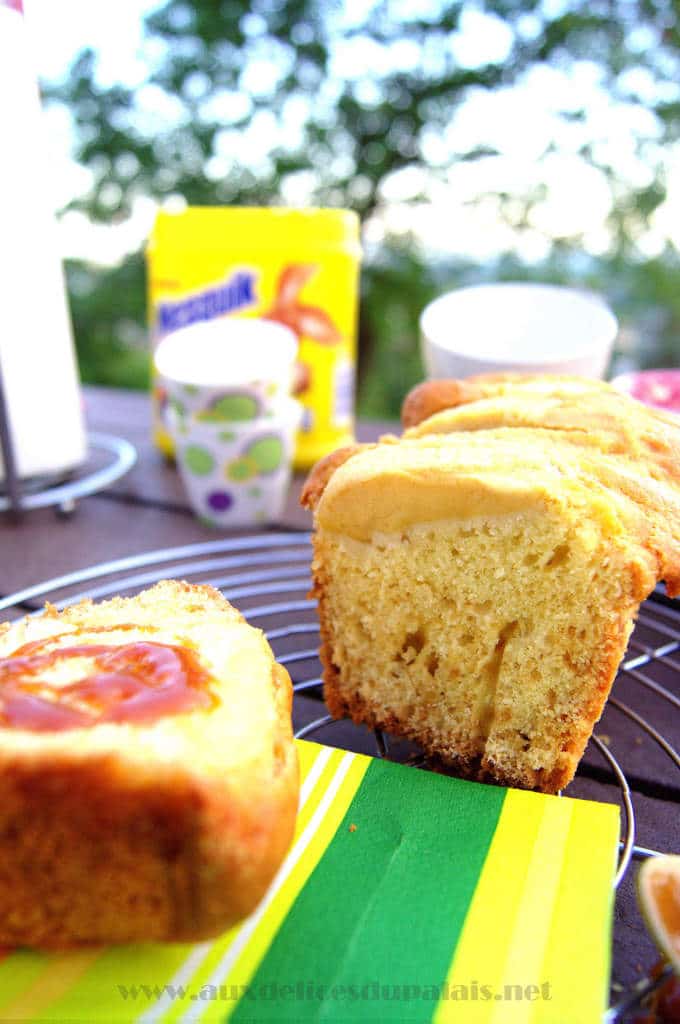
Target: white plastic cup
238, 473
228, 409
228, 369
517, 327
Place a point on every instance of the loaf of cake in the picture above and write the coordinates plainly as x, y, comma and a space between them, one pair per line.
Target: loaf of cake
478, 578
148, 776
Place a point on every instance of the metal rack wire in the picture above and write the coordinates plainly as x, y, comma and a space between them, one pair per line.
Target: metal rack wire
268, 575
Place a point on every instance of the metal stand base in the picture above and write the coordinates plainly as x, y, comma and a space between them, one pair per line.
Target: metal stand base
63, 495
12, 482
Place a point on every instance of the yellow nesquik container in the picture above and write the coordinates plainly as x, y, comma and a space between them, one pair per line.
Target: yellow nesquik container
297, 267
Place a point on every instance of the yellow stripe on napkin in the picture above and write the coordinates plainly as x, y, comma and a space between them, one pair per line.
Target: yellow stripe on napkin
232, 963
576, 957
521, 926
487, 933
18, 973
61, 972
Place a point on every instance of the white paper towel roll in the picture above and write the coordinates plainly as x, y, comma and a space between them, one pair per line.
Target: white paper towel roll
36, 346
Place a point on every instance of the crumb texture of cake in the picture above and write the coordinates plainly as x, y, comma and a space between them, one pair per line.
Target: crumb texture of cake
164, 827
478, 580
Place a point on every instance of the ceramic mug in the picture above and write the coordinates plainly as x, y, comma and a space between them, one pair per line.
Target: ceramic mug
517, 327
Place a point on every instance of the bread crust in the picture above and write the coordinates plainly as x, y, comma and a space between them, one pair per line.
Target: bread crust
628, 450
432, 396
133, 833
320, 474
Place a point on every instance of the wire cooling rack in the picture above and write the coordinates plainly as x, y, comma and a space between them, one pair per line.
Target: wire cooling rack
268, 577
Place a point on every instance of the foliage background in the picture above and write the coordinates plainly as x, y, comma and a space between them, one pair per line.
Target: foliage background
332, 103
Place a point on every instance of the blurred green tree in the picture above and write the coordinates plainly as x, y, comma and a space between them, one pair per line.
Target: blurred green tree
108, 309
310, 101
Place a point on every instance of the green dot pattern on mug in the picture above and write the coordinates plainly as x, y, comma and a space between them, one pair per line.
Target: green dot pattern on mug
241, 469
267, 453
198, 460
227, 435
254, 492
239, 406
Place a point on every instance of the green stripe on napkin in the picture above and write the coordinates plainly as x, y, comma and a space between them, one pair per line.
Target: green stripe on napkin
384, 908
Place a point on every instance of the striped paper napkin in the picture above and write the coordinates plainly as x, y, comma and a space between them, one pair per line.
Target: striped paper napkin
406, 896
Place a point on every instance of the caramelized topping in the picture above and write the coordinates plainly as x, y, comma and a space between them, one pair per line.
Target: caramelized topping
134, 683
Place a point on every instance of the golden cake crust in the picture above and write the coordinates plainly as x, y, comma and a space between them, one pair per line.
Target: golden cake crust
164, 831
433, 396
606, 448
324, 469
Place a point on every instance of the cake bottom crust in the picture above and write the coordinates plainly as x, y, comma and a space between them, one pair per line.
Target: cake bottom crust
466, 764
88, 860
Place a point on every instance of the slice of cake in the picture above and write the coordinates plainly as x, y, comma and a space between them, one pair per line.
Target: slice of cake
148, 777
478, 579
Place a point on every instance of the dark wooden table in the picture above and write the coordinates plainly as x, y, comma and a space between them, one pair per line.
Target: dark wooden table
147, 510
